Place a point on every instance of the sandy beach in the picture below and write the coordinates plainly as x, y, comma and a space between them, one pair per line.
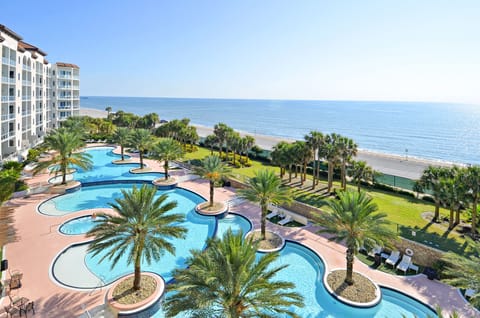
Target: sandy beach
407, 167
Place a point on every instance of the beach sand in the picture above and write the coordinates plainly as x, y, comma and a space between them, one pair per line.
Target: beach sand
407, 167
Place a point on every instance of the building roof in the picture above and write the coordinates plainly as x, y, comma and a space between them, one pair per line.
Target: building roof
10, 32
62, 64
22, 46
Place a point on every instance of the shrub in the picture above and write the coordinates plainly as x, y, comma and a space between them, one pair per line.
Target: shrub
33, 155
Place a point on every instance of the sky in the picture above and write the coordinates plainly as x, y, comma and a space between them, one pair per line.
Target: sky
413, 50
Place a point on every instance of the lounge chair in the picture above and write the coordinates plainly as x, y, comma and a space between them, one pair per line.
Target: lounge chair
287, 219
470, 293
272, 214
404, 264
393, 258
376, 250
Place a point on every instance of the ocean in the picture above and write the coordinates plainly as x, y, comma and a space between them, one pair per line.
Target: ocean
438, 131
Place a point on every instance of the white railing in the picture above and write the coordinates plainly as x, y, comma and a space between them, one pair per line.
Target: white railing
76, 87
7, 135
9, 80
26, 67
5, 60
26, 113
8, 98
26, 83
62, 76
26, 98
8, 116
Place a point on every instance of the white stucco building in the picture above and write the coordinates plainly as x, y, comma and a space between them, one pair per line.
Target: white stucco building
35, 95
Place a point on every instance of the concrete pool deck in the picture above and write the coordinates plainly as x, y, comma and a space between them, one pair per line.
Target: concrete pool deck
40, 242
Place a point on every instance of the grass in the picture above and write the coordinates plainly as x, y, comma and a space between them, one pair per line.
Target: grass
403, 211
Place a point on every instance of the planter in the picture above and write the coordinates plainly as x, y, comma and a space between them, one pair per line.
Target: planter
218, 209
66, 188
137, 308
275, 240
163, 184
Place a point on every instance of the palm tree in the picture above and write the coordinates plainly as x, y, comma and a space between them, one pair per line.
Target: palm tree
347, 149
471, 180
141, 139
315, 140
65, 143
221, 130
355, 221
232, 281
108, 109
463, 270
265, 188
360, 171
330, 152
247, 143
452, 194
122, 137
280, 157
142, 229
167, 150
430, 179
214, 170
305, 155
210, 142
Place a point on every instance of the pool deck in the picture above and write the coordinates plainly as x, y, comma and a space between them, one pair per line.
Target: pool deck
40, 242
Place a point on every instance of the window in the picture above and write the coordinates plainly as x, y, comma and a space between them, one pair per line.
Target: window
11, 143
53, 72
18, 76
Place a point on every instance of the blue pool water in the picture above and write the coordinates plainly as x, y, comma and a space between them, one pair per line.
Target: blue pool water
78, 226
103, 168
234, 222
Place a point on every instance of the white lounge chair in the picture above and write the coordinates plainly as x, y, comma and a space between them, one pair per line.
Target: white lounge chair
404, 264
393, 258
272, 214
470, 293
376, 250
287, 219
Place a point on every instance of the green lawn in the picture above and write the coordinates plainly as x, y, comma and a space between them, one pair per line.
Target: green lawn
403, 211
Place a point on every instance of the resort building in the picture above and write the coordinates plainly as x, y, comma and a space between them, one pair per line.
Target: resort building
35, 95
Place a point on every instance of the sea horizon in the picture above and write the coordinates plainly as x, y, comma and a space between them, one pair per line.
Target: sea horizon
438, 131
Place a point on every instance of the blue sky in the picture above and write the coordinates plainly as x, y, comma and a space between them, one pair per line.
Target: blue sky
347, 50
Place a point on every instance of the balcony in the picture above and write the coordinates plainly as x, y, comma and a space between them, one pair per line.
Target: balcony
64, 107
64, 76
8, 98
76, 87
64, 97
26, 68
65, 86
39, 111
26, 98
76, 77
26, 83
8, 80
26, 113
8, 116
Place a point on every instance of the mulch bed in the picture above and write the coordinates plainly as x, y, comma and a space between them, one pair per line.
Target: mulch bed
126, 295
362, 291
271, 241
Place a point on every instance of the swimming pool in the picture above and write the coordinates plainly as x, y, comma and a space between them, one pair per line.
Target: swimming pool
75, 267
103, 169
80, 225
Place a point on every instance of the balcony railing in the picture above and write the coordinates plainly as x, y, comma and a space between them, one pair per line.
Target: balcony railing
64, 107
26, 83
65, 86
26, 98
7, 61
64, 76
8, 80
8, 116
8, 98
8, 135
39, 111
26, 113
26, 67
76, 87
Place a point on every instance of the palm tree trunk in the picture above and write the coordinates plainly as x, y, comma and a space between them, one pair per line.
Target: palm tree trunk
290, 174
437, 211
137, 276
121, 150
212, 189
358, 185
344, 178
64, 174
474, 217
450, 222
263, 221
314, 182
234, 153
330, 176
350, 259
457, 216
165, 166
141, 159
